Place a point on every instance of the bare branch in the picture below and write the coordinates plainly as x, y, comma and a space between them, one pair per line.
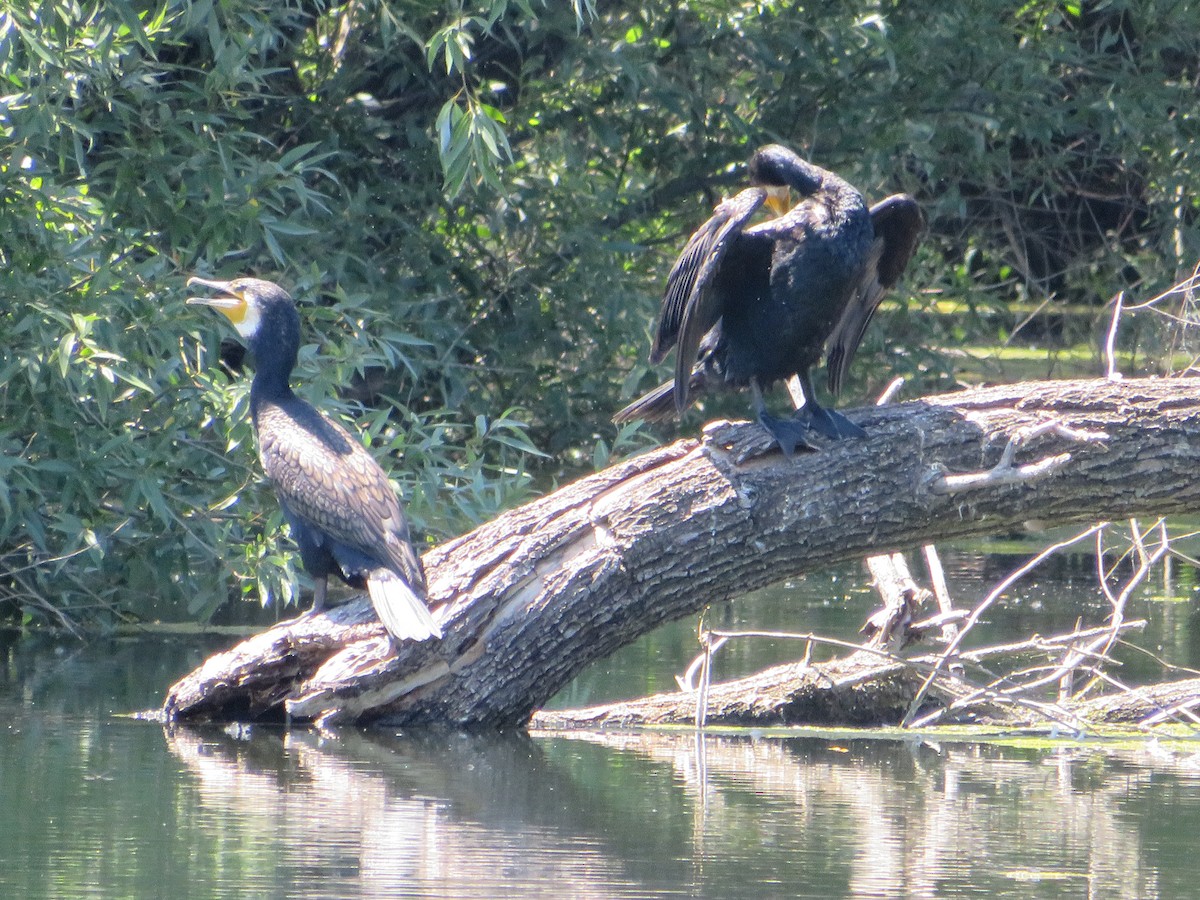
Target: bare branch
1110, 341
981, 608
1005, 473
941, 591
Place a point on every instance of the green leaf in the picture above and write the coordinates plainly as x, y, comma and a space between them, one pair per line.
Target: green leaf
66, 347
133, 22
299, 152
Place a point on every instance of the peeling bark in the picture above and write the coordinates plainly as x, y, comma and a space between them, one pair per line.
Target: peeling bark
538, 593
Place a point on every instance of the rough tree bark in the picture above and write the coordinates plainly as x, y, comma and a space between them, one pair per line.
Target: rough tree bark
541, 591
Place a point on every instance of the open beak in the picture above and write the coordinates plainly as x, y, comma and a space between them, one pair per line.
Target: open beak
232, 305
779, 200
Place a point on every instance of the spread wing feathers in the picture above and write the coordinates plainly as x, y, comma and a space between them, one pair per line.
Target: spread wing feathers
690, 306
330, 480
897, 222
402, 612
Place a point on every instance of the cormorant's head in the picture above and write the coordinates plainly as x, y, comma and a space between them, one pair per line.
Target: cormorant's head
779, 171
247, 303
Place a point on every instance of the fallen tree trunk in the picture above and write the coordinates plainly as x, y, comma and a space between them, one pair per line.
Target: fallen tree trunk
857, 690
541, 591
871, 687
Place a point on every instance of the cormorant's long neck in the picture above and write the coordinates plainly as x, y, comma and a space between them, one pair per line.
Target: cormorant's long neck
270, 383
841, 197
274, 358
806, 179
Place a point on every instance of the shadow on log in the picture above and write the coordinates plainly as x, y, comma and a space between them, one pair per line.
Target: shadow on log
538, 593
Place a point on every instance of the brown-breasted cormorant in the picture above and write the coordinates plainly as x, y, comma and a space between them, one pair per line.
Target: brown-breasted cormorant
342, 510
749, 306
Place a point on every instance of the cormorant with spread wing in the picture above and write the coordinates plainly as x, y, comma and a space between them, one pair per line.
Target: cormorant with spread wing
342, 510
752, 305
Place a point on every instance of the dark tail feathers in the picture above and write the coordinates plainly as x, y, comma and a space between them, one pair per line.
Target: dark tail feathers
659, 404
655, 406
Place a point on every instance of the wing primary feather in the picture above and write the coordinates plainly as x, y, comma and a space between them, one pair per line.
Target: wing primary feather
691, 307
897, 222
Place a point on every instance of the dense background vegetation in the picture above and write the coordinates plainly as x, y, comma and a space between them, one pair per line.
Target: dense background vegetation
476, 204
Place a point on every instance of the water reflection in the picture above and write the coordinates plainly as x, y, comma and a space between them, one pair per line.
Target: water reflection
366, 815
658, 815
99, 806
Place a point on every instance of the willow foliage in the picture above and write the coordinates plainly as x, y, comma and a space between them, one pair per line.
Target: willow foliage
476, 205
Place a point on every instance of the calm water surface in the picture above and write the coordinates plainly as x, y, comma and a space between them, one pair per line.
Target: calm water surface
96, 805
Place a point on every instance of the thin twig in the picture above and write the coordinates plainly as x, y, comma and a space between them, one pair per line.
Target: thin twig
687, 682
1050, 711
1182, 709
705, 679
1183, 287
1110, 342
1041, 644
1116, 617
1135, 538
980, 609
890, 392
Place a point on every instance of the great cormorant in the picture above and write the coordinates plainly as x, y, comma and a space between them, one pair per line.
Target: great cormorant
749, 306
343, 513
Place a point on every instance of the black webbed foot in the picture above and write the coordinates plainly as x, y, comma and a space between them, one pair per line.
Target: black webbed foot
790, 434
828, 422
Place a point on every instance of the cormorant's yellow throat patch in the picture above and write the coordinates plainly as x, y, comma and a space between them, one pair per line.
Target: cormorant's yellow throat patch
234, 305
779, 200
